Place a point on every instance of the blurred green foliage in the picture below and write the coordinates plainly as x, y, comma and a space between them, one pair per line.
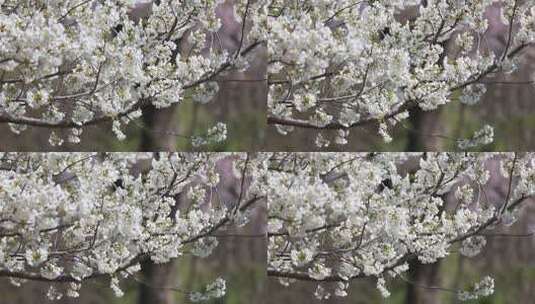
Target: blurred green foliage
243, 283
510, 284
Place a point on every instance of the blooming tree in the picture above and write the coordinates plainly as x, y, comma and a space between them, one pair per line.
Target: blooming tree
69, 64
69, 218
337, 217
338, 65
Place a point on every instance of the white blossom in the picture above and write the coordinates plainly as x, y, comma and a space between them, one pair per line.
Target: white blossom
481, 137
71, 217
335, 217
472, 246
213, 290
481, 289
342, 64
107, 60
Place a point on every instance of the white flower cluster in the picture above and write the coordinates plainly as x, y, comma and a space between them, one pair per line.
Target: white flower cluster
481, 137
72, 63
213, 290
334, 217
472, 246
342, 64
76, 216
482, 289
216, 134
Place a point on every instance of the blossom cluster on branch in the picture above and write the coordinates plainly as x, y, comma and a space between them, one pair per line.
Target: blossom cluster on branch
337, 65
335, 217
332, 217
69, 64
68, 218
332, 65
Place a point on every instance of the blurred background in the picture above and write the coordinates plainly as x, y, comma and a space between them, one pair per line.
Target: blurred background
240, 104
508, 107
508, 257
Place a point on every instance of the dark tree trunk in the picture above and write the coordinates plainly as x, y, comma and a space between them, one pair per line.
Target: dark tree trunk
157, 126
424, 125
423, 275
157, 275
424, 128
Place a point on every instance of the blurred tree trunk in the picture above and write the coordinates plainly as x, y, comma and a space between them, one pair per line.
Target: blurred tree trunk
157, 275
423, 275
156, 124
424, 124
424, 127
